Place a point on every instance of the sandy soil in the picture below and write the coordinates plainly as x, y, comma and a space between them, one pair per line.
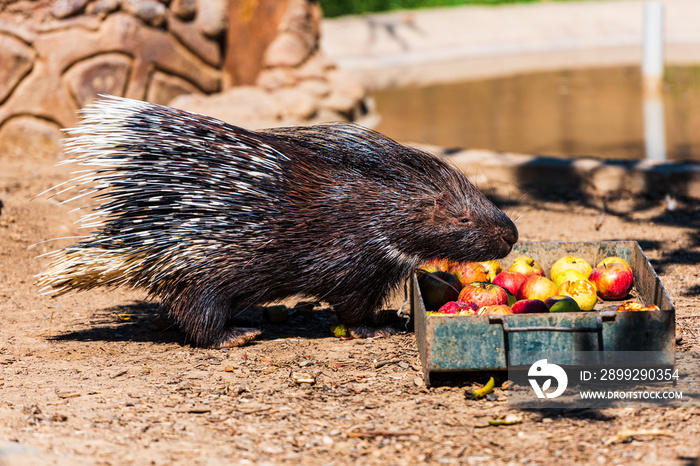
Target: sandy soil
95, 378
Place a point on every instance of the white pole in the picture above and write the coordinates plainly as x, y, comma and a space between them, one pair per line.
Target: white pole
653, 45
652, 78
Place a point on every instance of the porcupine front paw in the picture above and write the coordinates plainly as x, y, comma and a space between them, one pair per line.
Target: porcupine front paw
235, 336
366, 331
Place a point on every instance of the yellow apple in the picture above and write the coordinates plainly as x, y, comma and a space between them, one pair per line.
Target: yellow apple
570, 262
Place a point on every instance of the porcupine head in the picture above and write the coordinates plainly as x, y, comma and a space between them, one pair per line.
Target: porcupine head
210, 218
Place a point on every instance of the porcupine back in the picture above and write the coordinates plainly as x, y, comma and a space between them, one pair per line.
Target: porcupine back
212, 218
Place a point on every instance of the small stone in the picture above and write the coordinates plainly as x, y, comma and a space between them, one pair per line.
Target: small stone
66, 8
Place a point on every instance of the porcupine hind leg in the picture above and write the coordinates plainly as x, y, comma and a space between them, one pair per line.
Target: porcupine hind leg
206, 317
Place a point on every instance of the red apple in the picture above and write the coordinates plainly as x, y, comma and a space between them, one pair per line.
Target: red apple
529, 306
494, 309
511, 281
454, 307
469, 272
492, 269
438, 288
583, 292
568, 263
437, 265
562, 303
613, 280
526, 266
537, 287
483, 294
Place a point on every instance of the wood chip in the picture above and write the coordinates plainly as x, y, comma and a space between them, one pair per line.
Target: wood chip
629, 434
381, 433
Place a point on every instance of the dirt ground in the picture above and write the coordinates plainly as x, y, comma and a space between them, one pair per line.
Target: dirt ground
94, 378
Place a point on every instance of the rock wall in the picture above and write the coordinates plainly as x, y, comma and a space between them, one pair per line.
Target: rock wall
57, 56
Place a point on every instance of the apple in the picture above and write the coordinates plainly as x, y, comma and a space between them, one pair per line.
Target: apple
511, 281
569, 275
530, 306
438, 288
614, 260
437, 265
483, 294
469, 272
613, 280
568, 263
494, 309
562, 303
537, 287
632, 306
526, 266
454, 307
582, 291
492, 269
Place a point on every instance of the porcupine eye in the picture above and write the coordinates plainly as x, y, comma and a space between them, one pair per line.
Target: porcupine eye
463, 221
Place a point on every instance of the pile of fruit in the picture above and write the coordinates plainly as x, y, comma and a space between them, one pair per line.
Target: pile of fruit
483, 288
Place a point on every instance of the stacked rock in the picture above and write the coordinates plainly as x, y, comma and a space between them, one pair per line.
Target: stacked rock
59, 55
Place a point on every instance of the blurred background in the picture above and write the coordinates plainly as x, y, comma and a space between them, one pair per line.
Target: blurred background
554, 78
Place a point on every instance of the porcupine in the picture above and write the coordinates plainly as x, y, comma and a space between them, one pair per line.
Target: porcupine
211, 218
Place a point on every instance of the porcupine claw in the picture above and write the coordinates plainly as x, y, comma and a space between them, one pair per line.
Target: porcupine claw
236, 337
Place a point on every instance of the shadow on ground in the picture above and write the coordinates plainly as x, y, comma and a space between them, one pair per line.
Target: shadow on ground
147, 322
